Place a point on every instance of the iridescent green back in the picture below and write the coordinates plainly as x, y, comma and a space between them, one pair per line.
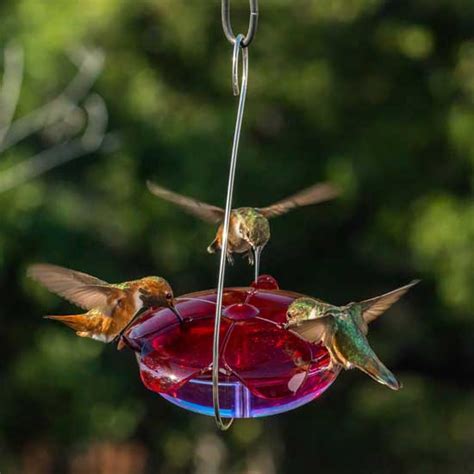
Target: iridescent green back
351, 341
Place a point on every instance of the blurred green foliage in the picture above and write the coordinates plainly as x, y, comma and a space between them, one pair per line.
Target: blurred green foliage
375, 95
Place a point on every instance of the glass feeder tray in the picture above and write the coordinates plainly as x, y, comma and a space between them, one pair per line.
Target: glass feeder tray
264, 368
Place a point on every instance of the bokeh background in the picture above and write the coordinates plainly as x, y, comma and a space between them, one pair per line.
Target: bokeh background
99, 95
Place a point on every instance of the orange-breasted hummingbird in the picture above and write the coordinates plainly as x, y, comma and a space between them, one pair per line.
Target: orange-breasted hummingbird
111, 307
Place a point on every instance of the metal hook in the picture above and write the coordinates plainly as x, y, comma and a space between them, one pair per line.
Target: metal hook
225, 233
253, 22
235, 64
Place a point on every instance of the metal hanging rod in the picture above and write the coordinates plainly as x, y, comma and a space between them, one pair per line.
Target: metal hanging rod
240, 44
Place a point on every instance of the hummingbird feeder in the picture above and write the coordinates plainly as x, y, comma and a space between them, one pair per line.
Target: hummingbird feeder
232, 357
263, 368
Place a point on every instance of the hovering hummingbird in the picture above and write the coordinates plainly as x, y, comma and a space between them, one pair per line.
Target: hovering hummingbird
112, 307
343, 330
249, 229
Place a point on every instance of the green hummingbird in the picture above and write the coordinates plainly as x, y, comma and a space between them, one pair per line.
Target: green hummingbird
343, 330
249, 229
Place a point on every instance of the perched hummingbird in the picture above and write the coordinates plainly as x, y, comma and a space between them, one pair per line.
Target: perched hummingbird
343, 330
249, 229
112, 307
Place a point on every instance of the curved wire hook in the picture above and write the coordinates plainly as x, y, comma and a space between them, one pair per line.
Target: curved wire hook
235, 65
223, 425
253, 23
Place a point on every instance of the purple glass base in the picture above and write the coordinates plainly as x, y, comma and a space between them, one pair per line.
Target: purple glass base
236, 400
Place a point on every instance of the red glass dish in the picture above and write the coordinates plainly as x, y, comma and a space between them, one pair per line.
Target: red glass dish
265, 369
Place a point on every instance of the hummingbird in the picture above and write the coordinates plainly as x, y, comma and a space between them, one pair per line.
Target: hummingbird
111, 307
343, 330
249, 229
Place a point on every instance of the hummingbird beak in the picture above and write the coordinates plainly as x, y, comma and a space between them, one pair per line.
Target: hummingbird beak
173, 308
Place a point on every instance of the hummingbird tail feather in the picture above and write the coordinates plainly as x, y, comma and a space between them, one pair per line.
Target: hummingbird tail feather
375, 369
78, 322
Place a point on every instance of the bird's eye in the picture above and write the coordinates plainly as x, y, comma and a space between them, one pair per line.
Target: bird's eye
168, 296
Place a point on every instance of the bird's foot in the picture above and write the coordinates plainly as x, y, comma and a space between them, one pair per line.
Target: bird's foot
126, 328
121, 334
331, 367
119, 339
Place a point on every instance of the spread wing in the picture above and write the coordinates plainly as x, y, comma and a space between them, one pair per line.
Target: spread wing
373, 308
312, 330
206, 212
103, 298
83, 290
315, 194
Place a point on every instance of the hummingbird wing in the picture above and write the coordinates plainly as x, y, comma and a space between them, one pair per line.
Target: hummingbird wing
83, 290
206, 212
313, 330
101, 297
314, 194
58, 278
374, 307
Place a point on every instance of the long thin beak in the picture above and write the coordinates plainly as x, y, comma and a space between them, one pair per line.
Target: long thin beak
176, 312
